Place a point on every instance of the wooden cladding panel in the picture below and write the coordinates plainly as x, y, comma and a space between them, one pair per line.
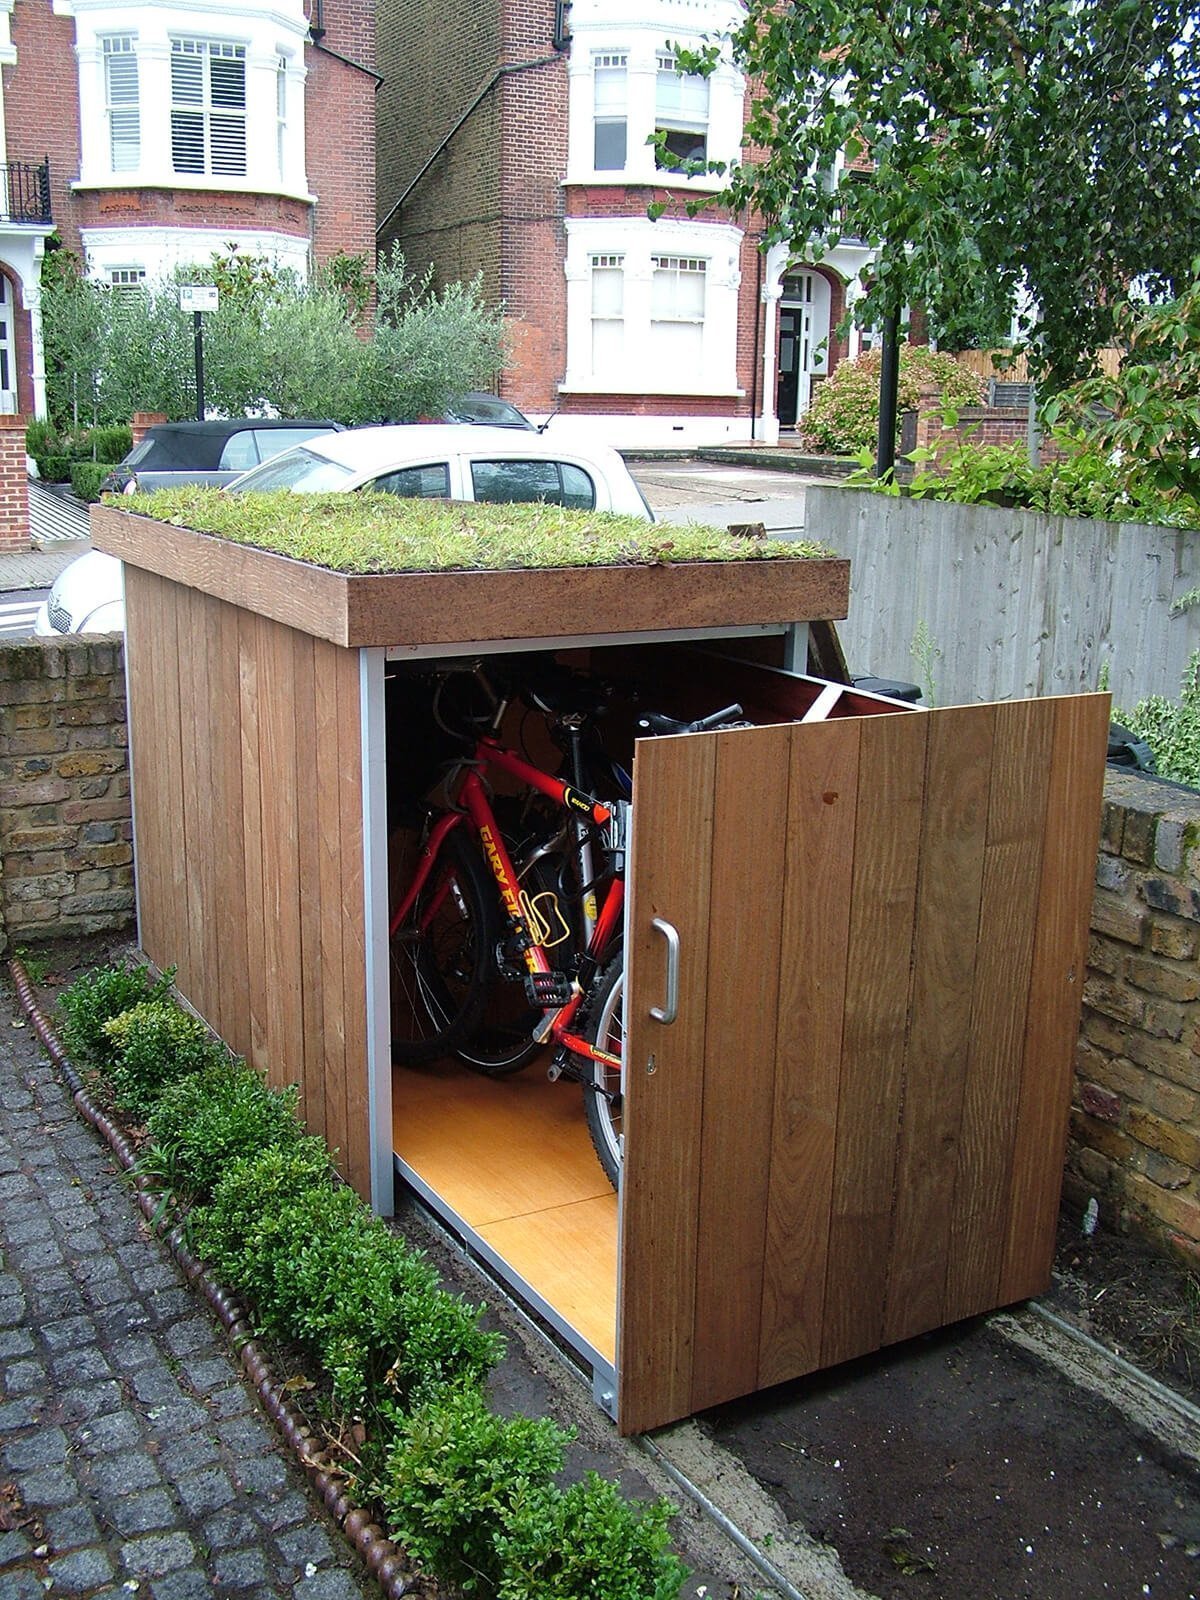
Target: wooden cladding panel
248, 827
920, 966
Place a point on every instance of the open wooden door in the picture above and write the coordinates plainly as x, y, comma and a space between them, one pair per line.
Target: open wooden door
853, 1131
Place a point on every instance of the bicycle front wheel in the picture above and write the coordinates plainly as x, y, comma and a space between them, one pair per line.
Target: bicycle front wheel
443, 956
603, 1090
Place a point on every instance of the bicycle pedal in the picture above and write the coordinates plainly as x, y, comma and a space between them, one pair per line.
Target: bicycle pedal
546, 989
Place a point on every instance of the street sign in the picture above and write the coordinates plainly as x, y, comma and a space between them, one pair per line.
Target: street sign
197, 297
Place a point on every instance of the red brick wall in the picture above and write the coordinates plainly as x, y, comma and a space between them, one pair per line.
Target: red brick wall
433, 74
14, 485
339, 105
533, 158
41, 105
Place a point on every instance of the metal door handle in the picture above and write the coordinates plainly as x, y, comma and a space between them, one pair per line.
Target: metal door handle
668, 1012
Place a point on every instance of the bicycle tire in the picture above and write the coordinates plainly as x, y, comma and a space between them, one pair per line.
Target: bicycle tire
442, 967
503, 1042
605, 1028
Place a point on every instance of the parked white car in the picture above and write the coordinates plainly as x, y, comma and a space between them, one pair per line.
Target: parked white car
433, 461
454, 461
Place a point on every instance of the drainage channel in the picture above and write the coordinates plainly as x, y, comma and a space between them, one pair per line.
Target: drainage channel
791, 1564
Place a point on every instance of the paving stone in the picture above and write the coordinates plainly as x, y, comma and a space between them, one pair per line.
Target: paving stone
168, 1305
142, 1513
203, 1492
288, 1509
49, 1486
131, 1351
232, 1401
23, 1586
15, 1342
189, 1583
263, 1475
188, 1454
81, 1571
32, 1231
179, 1416
239, 1570
155, 1274
192, 1334
311, 1543
156, 1386
158, 1553
45, 1448
124, 1472
331, 1585
231, 1527
20, 1377
15, 1545
95, 1400
12, 1310
81, 1366
70, 1333
108, 1433
247, 1436
24, 1412
206, 1373
38, 1254
69, 1527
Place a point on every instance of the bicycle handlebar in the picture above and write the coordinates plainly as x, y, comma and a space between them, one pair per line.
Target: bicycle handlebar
654, 722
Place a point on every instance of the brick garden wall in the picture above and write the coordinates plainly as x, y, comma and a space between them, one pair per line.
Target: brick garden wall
66, 856
1135, 1138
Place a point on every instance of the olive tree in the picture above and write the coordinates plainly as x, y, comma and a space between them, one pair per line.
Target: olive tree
274, 344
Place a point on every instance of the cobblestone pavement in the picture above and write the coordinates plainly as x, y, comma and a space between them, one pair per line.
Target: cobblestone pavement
134, 1459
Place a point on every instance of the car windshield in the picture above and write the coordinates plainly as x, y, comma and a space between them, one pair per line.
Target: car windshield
297, 469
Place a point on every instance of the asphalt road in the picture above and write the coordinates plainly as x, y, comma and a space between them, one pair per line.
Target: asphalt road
689, 491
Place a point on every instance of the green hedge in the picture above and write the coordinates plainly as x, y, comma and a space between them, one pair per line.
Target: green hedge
471, 1494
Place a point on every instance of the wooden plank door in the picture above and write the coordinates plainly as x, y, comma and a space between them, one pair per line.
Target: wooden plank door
853, 1132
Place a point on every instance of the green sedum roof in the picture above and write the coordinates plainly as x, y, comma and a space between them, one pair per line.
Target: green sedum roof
369, 533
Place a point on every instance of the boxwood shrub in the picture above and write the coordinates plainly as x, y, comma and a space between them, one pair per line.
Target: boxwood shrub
472, 1494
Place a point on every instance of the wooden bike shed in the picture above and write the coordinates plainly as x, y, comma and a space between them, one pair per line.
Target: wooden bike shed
854, 1131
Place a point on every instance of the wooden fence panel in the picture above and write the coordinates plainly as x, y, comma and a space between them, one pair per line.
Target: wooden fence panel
1010, 604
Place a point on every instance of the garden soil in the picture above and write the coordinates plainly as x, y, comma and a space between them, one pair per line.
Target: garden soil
994, 1460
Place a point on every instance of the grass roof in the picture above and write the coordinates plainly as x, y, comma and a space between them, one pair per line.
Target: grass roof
370, 533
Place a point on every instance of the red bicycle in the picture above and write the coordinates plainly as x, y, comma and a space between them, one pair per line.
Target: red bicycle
509, 937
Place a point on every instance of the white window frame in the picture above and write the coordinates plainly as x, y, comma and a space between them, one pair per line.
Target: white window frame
610, 61
670, 273
217, 119
602, 321
670, 119
125, 277
124, 148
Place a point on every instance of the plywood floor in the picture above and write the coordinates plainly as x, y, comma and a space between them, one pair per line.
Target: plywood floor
512, 1159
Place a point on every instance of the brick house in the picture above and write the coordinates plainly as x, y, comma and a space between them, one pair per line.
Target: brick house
153, 135
515, 144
